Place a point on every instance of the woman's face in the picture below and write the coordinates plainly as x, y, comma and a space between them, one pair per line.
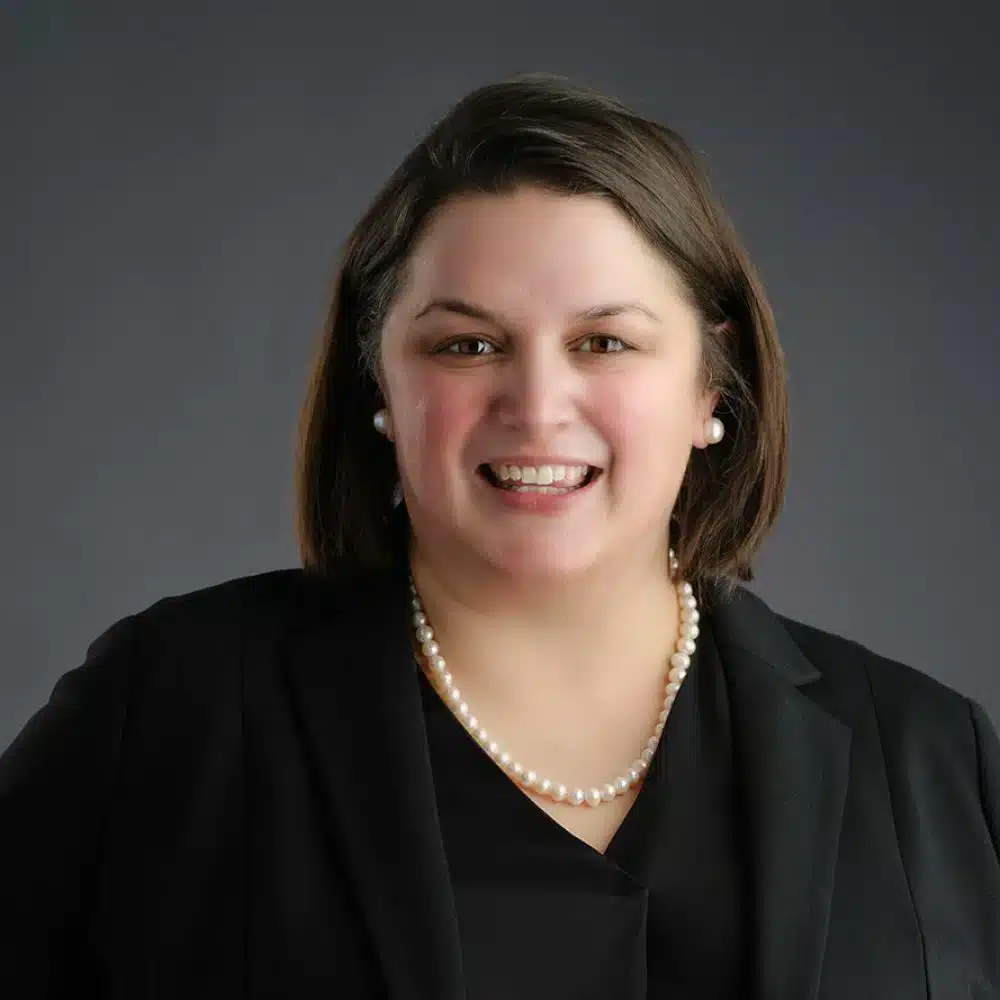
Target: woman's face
540, 332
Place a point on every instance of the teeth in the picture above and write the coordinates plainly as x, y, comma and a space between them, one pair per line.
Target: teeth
541, 475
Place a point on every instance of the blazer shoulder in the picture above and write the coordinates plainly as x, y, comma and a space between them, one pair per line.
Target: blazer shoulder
186, 631
230, 600
287, 593
932, 736
904, 696
211, 625
223, 609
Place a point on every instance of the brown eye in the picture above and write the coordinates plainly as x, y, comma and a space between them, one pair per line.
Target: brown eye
604, 345
468, 347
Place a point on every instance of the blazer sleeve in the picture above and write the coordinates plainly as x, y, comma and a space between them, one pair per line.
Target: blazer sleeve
988, 749
56, 782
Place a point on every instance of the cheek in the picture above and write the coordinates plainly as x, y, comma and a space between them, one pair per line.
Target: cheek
435, 419
648, 424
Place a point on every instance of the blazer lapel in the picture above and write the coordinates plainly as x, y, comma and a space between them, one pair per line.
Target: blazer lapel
353, 677
792, 764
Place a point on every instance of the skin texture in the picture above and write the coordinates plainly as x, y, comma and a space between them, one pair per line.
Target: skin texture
546, 617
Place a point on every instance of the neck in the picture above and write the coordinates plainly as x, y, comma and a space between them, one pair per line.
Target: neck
587, 633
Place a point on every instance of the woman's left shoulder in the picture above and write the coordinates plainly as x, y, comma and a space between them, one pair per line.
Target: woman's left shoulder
836, 654
911, 706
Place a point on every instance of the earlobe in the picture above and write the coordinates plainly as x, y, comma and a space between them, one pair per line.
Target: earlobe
710, 429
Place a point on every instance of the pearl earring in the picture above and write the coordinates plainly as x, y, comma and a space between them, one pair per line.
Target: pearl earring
714, 430
381, 421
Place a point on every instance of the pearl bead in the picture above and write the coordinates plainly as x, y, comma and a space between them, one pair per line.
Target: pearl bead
680, 662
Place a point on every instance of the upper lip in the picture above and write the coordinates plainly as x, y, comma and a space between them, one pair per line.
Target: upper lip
537, 460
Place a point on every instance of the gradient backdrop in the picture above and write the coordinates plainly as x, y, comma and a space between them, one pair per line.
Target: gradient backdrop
176, 181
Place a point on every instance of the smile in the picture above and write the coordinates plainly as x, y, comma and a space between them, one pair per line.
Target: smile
540, 479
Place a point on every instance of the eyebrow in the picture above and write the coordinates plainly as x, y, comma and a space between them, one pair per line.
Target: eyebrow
463, 308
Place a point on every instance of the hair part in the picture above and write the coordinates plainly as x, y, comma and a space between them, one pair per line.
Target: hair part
569, 139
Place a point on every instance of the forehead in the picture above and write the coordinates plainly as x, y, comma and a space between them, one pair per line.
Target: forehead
537, 247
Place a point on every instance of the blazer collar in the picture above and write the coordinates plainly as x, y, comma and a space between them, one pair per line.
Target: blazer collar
351, 672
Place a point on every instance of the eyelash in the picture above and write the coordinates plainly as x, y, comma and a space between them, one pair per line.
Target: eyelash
446, 348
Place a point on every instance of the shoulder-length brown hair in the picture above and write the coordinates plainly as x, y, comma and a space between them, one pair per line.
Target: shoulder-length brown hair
546, 131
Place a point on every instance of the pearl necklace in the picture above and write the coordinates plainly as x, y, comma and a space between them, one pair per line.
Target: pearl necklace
680, 661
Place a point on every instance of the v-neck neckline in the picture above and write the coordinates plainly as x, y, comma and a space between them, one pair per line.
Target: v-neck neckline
624, 847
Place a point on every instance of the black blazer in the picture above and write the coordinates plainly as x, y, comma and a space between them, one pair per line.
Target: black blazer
232, 797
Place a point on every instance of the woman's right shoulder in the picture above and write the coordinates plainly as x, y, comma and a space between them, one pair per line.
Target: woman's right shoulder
177, 656
223, 615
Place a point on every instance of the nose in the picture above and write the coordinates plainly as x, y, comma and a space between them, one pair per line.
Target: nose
538, 390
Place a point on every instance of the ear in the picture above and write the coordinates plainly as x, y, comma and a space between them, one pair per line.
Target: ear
704, 412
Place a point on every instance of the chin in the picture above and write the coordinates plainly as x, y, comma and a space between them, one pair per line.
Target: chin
539, 562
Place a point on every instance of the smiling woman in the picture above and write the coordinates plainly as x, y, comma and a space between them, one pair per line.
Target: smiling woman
533, 281
516, 727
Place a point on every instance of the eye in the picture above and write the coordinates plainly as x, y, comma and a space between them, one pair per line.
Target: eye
604, 344
478, 345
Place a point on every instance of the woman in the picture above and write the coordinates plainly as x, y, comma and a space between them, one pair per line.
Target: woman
515, 729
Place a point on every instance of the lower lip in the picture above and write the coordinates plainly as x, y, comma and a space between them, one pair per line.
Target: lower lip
538, 503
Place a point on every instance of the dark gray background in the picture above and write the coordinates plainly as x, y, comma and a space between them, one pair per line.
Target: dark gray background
177, 182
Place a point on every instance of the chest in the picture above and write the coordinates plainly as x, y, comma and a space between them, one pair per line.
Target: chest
594, 826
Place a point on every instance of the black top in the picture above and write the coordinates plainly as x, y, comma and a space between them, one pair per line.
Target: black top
543, 915
186, 817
